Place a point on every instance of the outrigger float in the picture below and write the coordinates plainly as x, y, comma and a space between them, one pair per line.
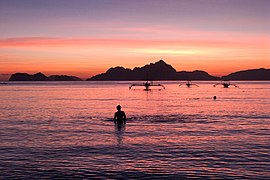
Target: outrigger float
225, 84
147, 85
188, 84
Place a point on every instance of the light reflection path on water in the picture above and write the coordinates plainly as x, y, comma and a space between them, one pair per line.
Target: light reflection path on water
66, 130
119, 133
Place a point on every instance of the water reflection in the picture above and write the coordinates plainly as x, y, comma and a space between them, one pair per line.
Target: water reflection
217, 137
119, 133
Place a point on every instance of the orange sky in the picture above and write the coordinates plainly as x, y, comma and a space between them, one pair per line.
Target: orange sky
219, 37
85, 57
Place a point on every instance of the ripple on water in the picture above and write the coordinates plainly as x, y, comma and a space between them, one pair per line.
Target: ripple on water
171, 146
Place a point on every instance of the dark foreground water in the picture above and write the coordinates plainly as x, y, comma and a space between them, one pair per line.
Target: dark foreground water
65, 131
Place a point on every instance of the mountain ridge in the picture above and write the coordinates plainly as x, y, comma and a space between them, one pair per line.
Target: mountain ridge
250, 74
41, 77
159, 70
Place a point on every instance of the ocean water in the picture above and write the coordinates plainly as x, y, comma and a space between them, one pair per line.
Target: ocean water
64, 130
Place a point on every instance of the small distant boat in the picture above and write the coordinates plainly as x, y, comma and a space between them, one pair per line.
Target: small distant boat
225, 84
147, 85
188, 84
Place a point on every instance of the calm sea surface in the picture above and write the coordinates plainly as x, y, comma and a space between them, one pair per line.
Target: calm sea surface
65, 130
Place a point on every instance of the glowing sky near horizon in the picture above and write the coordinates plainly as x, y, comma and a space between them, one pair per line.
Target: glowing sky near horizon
86, 37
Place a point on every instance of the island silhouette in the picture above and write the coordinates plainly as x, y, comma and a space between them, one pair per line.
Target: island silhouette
251, 74
162, 71
154, 71
159, 70
41, 77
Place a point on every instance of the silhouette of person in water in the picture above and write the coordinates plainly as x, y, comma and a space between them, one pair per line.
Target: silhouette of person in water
119, 116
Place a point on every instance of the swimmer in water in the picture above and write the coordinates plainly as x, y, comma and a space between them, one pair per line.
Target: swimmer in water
119, 116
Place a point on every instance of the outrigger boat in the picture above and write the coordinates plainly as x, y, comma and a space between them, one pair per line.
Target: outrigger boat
147, 85
225, 84
188, 84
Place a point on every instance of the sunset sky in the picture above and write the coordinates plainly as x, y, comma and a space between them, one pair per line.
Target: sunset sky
86, 37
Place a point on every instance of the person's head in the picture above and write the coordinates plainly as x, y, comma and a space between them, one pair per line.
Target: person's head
118, 107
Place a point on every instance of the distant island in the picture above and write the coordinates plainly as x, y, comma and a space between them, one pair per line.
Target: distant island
154, 71
250, 75
162, 71
41, 77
